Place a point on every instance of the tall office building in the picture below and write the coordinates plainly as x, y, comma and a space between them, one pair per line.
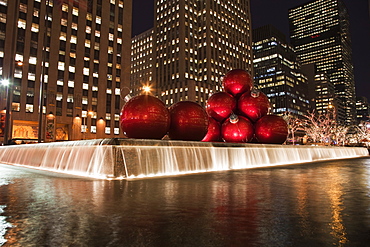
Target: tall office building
320, 34
326, 100
196, 42
79, 52
363, 109
277, 72
142, 65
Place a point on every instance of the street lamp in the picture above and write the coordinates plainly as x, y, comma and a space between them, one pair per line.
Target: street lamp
147, 89
84, 128
7, 122
5, 82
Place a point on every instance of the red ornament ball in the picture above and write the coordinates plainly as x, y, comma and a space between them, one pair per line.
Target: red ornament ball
237, 129
220, 106
214, 131
189, 121
145, 117
271, 129
237, 81
253, 105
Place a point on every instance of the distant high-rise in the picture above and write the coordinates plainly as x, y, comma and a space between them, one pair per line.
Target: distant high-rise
142, 65
277, 72
363, 109
320, 34
196, 42
83, 50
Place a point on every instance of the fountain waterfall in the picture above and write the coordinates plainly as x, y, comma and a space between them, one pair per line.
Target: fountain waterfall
128, 158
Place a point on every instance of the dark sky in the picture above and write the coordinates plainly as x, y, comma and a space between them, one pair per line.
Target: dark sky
276, 12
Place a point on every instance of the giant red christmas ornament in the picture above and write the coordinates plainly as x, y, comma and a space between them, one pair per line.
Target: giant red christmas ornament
189, 121
220, 106
253, 105
271, 129
237, 81
237, 129
145, 116
214, 131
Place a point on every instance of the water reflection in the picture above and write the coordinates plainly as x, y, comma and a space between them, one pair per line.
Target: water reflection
4, 225
322, 204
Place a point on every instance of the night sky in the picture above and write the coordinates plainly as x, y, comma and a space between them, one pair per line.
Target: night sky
276, 12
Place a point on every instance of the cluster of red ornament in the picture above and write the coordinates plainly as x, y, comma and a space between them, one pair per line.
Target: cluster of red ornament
147, 117
239, 114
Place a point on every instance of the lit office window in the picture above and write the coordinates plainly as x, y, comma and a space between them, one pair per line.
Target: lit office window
35, 27
75, 11
61, 65
22, 24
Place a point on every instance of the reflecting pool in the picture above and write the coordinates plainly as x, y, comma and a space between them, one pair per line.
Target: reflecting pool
316, 204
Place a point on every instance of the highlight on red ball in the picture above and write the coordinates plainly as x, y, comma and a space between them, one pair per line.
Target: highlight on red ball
189, 121
237, 129
145, 117
237, 81
213, 132
271, 129
253, 105
220, 106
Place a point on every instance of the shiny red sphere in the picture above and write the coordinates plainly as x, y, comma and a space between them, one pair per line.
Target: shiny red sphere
271, 129
253, 105
237, 81
214, 131
189, 121
238, 129
220, 106
145, 117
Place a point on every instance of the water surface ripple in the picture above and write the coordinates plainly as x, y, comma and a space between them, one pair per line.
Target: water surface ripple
318, 204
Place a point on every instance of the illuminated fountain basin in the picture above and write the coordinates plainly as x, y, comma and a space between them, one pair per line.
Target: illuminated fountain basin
129, 158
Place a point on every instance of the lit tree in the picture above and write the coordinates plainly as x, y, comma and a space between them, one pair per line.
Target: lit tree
363, 133
339, 134
294, 125
320, 127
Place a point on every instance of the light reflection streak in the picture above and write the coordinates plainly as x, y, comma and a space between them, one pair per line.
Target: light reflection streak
335, 192
302, 201
368, 178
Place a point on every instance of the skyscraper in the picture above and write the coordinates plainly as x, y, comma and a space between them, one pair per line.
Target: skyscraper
142, 62
277, 72
363, 109
196, 42
320, 34
79, 52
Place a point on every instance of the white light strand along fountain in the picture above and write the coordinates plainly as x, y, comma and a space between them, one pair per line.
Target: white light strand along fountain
89, 158
129, 158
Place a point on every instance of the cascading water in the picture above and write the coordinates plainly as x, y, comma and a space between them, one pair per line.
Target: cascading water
176, 157
129, 158
86, 158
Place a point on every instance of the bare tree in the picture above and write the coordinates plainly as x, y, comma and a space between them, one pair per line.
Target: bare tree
320, 127
294, 124
362, 134
339, 134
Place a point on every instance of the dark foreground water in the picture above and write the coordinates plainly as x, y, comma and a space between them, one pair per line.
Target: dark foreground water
319, 204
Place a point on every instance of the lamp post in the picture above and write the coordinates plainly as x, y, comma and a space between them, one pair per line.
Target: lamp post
7, 129
84, 123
